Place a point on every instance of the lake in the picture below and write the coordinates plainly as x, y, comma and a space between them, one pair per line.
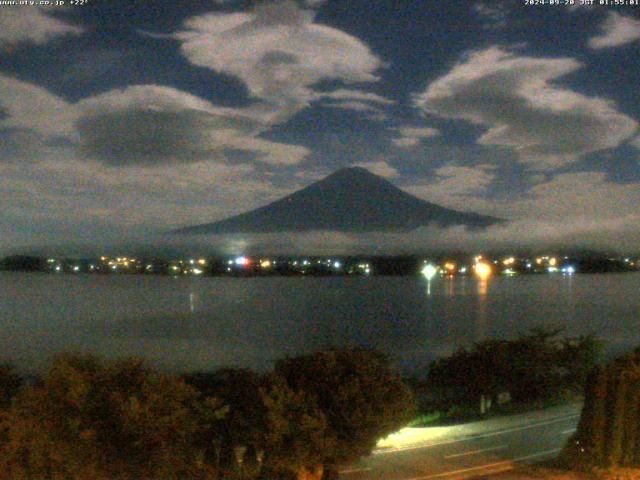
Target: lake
187, 323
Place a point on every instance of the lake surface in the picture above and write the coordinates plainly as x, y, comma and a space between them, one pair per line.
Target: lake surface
188, 323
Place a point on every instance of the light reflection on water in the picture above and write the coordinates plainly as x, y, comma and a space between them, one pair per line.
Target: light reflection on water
201, 323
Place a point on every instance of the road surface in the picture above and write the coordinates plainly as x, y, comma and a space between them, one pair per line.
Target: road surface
480, 448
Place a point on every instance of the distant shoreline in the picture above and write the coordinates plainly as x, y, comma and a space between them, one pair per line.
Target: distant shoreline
333, 266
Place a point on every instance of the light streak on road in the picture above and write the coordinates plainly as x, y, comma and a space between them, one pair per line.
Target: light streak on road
475, 452
505, 463
459, 452
474, 437
354, 470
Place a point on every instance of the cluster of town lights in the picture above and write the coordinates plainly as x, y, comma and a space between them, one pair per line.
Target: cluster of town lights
480, 266
483, 269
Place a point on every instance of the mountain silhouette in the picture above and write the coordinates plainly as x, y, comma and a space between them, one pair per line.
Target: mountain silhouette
349, 200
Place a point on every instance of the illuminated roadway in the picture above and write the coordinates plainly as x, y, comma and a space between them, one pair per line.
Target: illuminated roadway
465, 451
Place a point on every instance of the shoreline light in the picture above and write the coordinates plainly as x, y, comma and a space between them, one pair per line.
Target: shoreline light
483, 270
244, 261
429, 271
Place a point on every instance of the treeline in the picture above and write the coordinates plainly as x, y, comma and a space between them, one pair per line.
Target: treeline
538, 365
88, 418
608, 434
23, 263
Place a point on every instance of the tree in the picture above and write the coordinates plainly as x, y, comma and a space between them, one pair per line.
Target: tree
245, 422
360, 396
535, 365
607, 433
617, 416
296, 436
591, 436
95, 419
106, 420
578, 357
10, 383
632, 422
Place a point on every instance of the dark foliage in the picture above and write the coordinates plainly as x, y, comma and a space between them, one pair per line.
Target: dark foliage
92, 419
10, 383
361, 397
95, 420
608, 434
23, 263
536, 365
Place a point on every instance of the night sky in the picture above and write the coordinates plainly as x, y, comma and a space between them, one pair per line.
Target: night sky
121, 119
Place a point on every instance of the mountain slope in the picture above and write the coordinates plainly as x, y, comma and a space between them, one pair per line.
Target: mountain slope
349, 200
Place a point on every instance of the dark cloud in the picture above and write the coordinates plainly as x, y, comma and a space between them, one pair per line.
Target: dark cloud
18, 145
616, 235
147, 137
153, 125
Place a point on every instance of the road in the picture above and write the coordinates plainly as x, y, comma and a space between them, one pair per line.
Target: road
480, 448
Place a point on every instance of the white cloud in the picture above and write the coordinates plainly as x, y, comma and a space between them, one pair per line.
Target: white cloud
494, 14
618, 233
420, 132
31, 24
152, 97
358, 101
616, 30
143, 124
574, 208
465, 180
151, 124
356, 106
119, 206
411, 136
577, 7
454, 185
32, 107
344, 94
583, 198
278, 51
380, 168
21, 145
570, 209
272, 152
33, 118
405, 142
314, 3
586, 197
546, 125
353, 105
